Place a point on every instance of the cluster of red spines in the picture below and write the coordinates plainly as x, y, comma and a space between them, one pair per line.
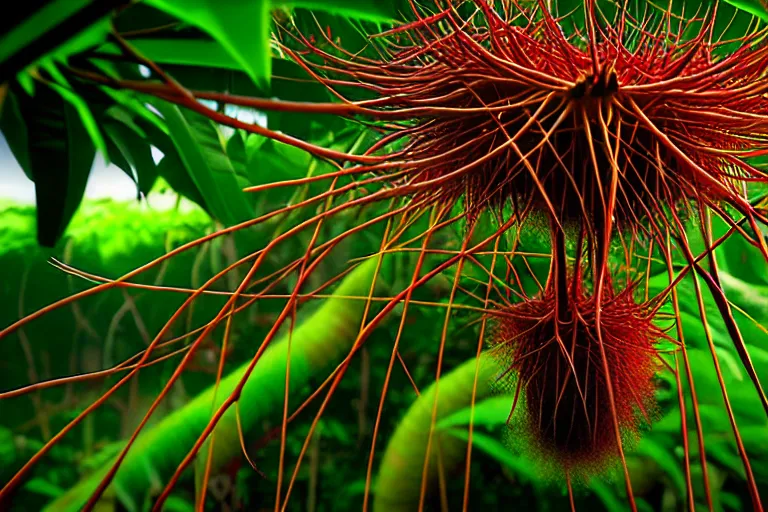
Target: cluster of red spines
501, 112
557, 365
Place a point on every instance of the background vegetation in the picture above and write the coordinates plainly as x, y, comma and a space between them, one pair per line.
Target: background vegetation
55, 125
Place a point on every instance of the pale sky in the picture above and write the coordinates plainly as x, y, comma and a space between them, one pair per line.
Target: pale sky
104, 181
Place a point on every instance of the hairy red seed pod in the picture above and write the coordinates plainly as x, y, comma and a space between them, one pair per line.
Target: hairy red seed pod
595, 128
557, 369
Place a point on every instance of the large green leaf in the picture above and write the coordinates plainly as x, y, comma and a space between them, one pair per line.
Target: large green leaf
241, 27
666, 461
236, 152
136, 153
754, 7
86, 117
171, 167
48, 32
116, 158
172, 170
128, 100
202, 152
60, 155
272, 160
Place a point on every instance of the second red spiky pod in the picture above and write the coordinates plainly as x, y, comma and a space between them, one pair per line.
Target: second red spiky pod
559, 359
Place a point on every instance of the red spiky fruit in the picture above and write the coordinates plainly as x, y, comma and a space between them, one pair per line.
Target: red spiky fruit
610, 126
561, 363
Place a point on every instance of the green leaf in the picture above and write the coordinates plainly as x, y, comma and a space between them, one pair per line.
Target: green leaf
177, 504
40, 486
666, 461
236, 153
497, 451
86, 117
643, 506
116, 158
92, 36
272, 160
61, 154
136, 152
121, 115
253, 144
172, 170
45, 19
200, 147
241, 28
488, 413
14, 129
7, 446
753, 7
26, 82
127, 99
731, 500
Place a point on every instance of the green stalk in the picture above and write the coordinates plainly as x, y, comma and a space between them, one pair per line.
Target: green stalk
317, 345
398, 486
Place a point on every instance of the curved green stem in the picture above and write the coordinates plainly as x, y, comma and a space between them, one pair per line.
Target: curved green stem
398, 485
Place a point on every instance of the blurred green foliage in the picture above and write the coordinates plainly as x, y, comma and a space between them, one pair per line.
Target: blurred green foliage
55, 125
110, 239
